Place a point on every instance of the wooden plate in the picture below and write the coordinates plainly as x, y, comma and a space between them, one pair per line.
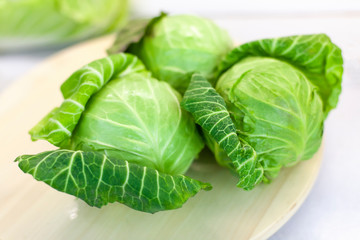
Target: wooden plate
33, 210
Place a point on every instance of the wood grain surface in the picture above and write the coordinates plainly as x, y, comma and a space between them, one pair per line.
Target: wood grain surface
33, 210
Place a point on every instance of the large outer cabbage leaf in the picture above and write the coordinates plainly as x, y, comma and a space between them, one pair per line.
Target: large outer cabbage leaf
37, 23
314, 55
125, 125
173, 47
99, 180
209, 111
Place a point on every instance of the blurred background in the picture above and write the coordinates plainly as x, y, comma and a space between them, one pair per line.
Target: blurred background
233, 8
32, 30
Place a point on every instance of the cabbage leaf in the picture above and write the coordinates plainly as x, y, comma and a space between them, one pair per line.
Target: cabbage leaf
99, 180
209, 111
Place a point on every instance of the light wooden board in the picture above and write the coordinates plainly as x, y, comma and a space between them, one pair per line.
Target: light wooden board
33, 210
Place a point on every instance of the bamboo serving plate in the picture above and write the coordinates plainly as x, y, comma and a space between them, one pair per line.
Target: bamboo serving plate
33, 210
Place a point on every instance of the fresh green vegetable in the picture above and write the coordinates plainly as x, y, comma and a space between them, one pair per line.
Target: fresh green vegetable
278, 93
123, 136
37, 23
173, 47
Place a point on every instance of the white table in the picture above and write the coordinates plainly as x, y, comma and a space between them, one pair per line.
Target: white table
332, 210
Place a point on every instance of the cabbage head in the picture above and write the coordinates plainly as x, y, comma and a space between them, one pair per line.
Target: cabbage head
123, 137
38, 23
270, 103
173, 47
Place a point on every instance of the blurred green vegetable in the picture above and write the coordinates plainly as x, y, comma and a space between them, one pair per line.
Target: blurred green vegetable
39, 23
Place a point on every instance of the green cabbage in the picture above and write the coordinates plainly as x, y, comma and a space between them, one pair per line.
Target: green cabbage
141, 121
123, 137
37, 23
275, 109
172, 47
277, 93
